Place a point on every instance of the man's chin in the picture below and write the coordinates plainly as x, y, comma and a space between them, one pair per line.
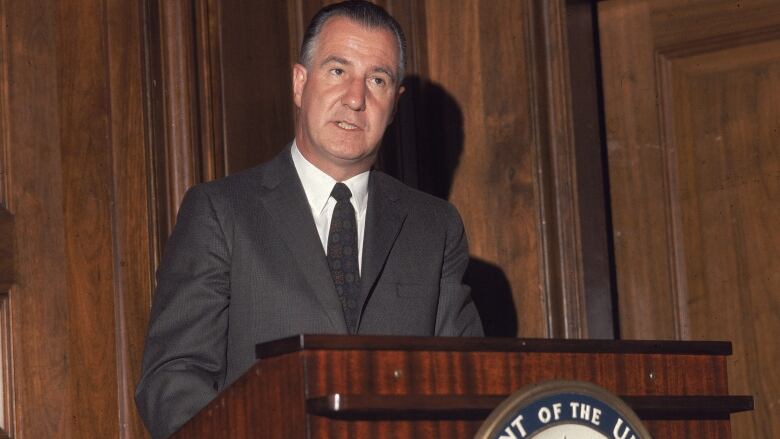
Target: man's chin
350, 161
355, 163
351, 153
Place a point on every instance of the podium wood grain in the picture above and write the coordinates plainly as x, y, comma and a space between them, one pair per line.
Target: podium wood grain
271, 399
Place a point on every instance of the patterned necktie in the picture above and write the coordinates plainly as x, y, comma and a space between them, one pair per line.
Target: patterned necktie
343, 254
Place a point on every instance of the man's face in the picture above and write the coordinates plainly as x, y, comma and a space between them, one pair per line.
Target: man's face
346, 97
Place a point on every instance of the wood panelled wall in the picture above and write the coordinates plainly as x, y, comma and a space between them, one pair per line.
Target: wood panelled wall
692, 114
76, 217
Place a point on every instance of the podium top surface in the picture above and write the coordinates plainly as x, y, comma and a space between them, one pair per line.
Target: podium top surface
488, 344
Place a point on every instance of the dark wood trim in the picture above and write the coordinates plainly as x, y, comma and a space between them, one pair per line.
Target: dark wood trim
576, 251
32, 127
4, 117
7, 248
592, 186
561, 248
4, 113
688, 407
7, 238
133, 220
6, 369
296, 27
477, 407
478, 344
174, 110
341, 406
208, 53
153, 123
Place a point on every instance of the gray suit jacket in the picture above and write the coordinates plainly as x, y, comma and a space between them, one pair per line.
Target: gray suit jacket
245, 265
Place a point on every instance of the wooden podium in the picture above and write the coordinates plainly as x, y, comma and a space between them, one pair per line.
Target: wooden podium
320, 386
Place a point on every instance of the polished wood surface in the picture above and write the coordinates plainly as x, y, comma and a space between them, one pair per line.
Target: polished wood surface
692, 120
268, 401
6, 365
7, 250
173, 106
7, 255
373, 407
7, 276
133, 215
492, 344
395, 387
31, 119
387, 407
469, 373
464, 373
85, 162
76, 173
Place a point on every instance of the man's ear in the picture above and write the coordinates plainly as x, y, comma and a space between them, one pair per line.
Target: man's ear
299, 74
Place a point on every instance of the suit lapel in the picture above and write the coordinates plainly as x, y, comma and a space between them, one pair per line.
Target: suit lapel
285, 201
384, 218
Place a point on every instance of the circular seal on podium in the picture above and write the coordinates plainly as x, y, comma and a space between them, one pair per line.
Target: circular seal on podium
563, 410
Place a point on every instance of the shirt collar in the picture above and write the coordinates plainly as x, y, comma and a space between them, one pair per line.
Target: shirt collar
317, 185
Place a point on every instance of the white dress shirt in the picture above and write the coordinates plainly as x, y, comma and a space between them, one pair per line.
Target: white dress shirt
318, 186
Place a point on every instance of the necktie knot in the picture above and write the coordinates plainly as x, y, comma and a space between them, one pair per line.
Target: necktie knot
341, 192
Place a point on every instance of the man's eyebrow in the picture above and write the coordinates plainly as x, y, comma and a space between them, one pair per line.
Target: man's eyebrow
336, 59
346, 62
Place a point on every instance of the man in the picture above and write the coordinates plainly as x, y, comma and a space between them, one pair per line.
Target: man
310, 242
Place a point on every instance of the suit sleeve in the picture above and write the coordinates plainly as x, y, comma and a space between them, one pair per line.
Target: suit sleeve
457, 314
184, 356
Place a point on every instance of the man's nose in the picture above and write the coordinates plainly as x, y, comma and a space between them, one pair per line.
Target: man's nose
355, 95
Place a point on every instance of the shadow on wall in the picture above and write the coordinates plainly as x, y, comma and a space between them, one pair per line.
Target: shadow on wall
434, 121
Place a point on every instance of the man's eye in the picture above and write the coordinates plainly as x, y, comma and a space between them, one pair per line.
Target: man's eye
336, 71
378, 81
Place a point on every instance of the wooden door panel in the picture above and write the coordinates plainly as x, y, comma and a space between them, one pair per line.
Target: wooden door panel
729, 196
694, 158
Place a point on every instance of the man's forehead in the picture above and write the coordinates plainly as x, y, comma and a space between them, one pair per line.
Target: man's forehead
338, 31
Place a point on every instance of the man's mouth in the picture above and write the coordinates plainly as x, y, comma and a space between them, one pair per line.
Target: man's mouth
347, 126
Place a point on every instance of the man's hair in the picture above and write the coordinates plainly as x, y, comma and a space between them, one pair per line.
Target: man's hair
362, 12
